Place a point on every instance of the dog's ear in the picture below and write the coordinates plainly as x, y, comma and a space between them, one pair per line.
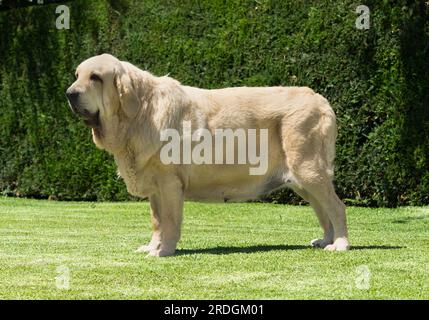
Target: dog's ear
128, 96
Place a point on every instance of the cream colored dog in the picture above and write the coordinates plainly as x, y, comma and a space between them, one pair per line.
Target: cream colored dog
128, 109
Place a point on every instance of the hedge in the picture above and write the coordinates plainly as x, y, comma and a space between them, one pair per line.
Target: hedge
377, 81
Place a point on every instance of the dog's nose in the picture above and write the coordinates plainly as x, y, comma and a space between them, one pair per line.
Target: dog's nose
72, 96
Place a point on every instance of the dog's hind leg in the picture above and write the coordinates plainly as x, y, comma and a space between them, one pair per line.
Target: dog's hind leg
333, 207
324, 220
309, 147
312, 183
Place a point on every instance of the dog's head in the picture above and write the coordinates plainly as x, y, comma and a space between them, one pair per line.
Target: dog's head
103, 90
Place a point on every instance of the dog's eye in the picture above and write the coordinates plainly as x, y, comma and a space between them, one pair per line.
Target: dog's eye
94, 77
76, 75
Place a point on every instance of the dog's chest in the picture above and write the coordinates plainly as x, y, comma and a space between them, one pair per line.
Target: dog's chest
127, 170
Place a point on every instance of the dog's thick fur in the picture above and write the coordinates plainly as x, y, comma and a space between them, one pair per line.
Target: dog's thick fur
128, 108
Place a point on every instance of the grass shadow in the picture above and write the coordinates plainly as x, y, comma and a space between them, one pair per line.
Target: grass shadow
249, 249
382, 247
409, 219
267, 248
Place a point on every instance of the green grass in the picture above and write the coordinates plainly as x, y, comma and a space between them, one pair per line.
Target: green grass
227, 251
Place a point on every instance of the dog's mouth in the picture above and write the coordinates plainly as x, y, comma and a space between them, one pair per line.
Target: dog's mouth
90, 119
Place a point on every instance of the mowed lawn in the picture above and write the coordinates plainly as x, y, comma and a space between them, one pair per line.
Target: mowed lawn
72, 250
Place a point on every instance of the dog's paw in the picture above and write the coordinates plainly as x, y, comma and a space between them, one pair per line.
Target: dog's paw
340, 244
151, 246
143, 249
320, 243
160, 253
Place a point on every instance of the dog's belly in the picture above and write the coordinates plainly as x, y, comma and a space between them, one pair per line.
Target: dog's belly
223, 194
231, 184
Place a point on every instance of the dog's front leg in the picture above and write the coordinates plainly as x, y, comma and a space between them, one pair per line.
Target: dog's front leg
155, 210
167, 212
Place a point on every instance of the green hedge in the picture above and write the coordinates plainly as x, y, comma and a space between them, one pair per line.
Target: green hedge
377, 81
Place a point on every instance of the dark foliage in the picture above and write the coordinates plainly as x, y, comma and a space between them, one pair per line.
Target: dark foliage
377, 81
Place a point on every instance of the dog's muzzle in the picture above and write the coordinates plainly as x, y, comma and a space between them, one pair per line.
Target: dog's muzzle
92, 120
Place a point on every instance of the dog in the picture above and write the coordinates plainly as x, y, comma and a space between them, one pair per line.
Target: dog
130, 111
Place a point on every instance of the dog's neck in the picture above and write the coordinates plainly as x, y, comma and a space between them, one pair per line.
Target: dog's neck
124, 140
110, 136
